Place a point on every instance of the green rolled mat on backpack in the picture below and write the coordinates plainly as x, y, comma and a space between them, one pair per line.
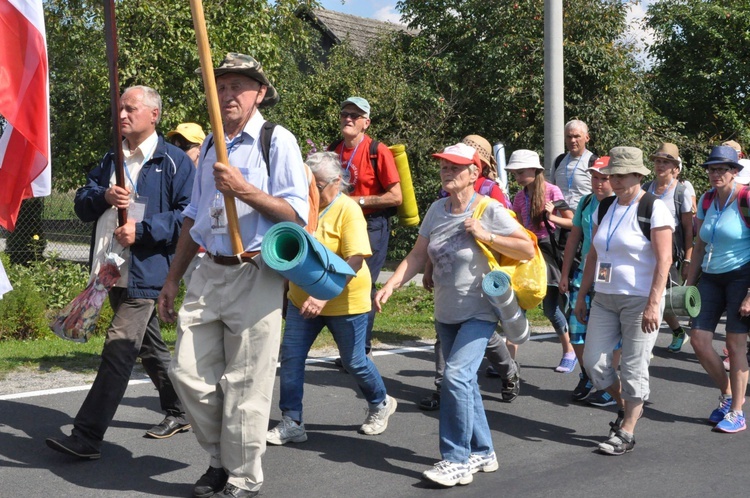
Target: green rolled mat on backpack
683, 300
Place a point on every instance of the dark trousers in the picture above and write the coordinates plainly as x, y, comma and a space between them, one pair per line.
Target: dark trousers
134, 332
378, 230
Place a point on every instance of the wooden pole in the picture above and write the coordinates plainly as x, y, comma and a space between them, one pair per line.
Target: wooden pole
214, 114
110, 35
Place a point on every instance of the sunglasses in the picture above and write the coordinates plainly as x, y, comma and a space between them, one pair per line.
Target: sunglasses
351, 115
717, 171
184, 145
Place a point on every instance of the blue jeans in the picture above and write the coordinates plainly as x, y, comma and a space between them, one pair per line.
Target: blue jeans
552, 310
379, 232
349, 333
463, 423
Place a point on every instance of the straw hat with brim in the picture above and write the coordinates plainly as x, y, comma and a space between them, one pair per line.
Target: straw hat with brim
743, 177
734, 145
460, 154
483, 148
667, 151
247, 66
625, 160
723, 154
192, 132
522, 159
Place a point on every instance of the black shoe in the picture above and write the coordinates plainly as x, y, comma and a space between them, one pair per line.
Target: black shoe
338, 363
583, 389
617, 444
232, 491
72, 445
167, 428
511, 388
430, 403
210, 483
491, 372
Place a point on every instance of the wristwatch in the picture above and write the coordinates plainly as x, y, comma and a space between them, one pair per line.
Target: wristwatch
361, 201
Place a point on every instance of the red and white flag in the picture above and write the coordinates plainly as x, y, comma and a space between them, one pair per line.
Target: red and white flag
24, 103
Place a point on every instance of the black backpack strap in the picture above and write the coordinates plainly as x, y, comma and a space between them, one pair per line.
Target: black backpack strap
374, 156
266, 133
586, 201
592, 160
603, 207
205, 152
556, 164
645, 209
332, 147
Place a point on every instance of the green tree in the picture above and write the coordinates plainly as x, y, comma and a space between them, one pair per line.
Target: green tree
486, 59
157, 48
699, 78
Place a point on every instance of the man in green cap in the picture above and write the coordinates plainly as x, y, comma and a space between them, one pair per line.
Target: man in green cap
230, 322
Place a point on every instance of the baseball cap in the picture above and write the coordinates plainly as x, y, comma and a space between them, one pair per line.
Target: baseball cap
192, 132
359, 103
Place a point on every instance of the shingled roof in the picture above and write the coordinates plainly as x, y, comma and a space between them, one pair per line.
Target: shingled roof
359, 31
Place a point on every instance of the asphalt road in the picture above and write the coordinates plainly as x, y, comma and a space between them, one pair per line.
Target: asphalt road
545, 442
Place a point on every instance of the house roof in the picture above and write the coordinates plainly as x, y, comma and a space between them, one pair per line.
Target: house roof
361, 32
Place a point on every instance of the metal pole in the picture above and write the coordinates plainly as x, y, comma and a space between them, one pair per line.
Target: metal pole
554, 90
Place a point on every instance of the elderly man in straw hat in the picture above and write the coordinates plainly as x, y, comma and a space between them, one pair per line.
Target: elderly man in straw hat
230, 322
677, 197
629, 259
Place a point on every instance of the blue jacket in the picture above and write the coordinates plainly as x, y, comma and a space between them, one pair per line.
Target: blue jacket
166, 180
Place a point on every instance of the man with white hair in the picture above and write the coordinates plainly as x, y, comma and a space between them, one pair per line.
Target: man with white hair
570, 170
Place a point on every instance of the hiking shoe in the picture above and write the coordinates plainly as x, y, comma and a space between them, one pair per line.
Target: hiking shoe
511, 388
232, 491
617, 444
615, 426
583, 389
483, 463
287, 431
430, 403
71, 445
377, 418
210, 483
567, 364
449, 474
678, 340
491, 372
733, 422
601, 398
725, 404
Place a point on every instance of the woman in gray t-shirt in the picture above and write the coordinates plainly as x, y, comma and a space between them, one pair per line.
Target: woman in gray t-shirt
464, 319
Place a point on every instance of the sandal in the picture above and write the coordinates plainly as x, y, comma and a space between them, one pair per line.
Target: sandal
430, 403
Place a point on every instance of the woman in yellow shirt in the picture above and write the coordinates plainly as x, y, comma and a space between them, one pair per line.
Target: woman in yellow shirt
342, 229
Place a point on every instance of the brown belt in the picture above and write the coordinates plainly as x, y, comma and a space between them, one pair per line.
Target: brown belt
245, 257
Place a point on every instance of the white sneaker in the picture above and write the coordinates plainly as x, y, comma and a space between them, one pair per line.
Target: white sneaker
288, 431
449, 474
377, 418
483, 463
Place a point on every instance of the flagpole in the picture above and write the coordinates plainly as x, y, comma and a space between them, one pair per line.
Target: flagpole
212, 99
110, 35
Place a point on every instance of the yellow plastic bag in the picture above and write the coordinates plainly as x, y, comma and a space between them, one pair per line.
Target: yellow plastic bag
528, 278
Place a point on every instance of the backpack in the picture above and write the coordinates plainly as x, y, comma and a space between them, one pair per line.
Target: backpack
391, 211
313, 195
645, 209
743, 203
678, 237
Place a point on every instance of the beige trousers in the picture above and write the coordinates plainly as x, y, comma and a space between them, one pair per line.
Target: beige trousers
225, 361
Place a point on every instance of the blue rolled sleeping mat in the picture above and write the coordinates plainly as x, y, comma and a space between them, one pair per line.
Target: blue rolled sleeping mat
498, 290
295, 254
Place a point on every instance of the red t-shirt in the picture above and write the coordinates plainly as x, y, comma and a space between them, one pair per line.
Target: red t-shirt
364, 180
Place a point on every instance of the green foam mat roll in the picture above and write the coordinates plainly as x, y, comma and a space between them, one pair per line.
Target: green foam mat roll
683, 300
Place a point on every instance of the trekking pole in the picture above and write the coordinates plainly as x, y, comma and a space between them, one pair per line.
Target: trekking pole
212, 99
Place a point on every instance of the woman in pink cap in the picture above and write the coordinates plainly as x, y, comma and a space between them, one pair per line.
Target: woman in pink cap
464, 318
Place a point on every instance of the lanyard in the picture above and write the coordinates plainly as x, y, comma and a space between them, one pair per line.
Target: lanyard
449, 208
528, 208
320, 216
653, 189
135, 183
573, 173
351, 158
233, 144
610, 232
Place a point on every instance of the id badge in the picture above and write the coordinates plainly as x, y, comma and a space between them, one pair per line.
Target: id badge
603, 272
137, 209
218, 220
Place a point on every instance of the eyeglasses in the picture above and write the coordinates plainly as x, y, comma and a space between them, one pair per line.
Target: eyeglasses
351, 115
717, 171
185, 146
322, 187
